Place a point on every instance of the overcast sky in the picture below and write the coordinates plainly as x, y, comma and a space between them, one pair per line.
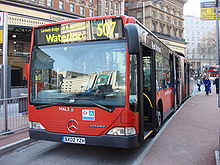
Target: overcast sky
192, 7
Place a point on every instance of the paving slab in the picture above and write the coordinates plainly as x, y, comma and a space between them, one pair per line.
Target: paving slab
191, 137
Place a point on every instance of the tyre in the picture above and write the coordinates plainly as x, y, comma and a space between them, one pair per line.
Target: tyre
159, 122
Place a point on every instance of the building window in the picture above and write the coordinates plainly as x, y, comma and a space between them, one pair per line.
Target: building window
154, 13
168, 30
161, 16
181, 34
168, 19
110, 5
115, 9
82, 10
119, 8
61, 5
49, 3
139, 14
161, 28
72, 8
18, 48
175, 32
154, 26
91, 12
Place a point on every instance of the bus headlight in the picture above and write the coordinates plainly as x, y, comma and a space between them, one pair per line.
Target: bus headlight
130, 131
122, 131
36, 125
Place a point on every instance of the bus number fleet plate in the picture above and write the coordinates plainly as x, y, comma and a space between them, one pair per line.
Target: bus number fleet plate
75, 140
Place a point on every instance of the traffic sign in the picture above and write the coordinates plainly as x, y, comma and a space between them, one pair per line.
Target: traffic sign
207, 10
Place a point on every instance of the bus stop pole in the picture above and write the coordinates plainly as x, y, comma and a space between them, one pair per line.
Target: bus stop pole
217, 51
217, 45
5, 67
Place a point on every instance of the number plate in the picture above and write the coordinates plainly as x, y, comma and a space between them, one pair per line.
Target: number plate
75, 140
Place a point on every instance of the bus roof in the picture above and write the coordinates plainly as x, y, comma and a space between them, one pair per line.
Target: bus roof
126, 19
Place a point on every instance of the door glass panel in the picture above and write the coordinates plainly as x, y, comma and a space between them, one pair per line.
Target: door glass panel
147, 73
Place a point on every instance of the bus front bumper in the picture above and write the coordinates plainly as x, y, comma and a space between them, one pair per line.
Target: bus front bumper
104, 140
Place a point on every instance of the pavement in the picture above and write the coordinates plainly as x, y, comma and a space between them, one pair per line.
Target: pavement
192, 137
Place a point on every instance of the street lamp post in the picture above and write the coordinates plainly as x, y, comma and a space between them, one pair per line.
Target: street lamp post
144, 13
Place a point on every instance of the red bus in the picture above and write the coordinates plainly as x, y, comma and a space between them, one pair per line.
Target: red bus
213, 72
104, 81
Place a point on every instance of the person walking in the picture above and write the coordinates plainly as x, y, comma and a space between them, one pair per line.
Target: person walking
207, 84
216, 83
199, 83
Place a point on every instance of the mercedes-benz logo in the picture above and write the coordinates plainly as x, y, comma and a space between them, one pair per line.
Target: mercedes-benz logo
72, 125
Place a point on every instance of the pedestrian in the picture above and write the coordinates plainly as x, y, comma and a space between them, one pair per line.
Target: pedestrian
207, 84
216, 83
199, 83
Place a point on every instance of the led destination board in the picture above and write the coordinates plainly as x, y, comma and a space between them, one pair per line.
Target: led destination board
80, 31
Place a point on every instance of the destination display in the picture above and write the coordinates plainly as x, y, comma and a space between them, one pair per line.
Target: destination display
80, 31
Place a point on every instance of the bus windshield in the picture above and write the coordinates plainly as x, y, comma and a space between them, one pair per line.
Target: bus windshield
79, 73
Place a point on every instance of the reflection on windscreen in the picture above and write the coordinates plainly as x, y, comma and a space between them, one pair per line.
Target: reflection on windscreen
68, 73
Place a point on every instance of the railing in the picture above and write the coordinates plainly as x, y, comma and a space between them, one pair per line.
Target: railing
18, 91
13, 115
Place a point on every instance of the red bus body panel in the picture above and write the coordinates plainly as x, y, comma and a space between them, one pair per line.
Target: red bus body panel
55, 119
167, 97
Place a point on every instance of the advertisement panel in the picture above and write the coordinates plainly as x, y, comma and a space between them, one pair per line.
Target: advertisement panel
1, 27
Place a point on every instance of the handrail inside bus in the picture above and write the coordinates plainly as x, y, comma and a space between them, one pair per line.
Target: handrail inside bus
151, 105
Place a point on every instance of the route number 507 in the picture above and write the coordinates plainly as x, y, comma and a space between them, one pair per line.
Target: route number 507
106, 29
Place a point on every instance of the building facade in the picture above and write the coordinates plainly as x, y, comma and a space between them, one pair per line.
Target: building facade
164, 18
200, 38
24, 14
111, 7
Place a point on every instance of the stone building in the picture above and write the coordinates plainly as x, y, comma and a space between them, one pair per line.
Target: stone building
163, 17
109, 7
24, 14
200, 38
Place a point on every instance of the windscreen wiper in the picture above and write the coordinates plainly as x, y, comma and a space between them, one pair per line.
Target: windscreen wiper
49, 105
96, 104
62, 104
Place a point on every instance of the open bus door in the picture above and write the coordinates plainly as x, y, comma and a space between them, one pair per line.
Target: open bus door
177, 85
148, 90
146, 82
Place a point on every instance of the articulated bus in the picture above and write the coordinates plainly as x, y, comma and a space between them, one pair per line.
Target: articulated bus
104, 81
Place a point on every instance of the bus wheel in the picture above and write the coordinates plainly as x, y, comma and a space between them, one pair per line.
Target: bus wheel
159, 122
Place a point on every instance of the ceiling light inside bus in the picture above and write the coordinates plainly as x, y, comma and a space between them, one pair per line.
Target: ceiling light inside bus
122, 131
36, 125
